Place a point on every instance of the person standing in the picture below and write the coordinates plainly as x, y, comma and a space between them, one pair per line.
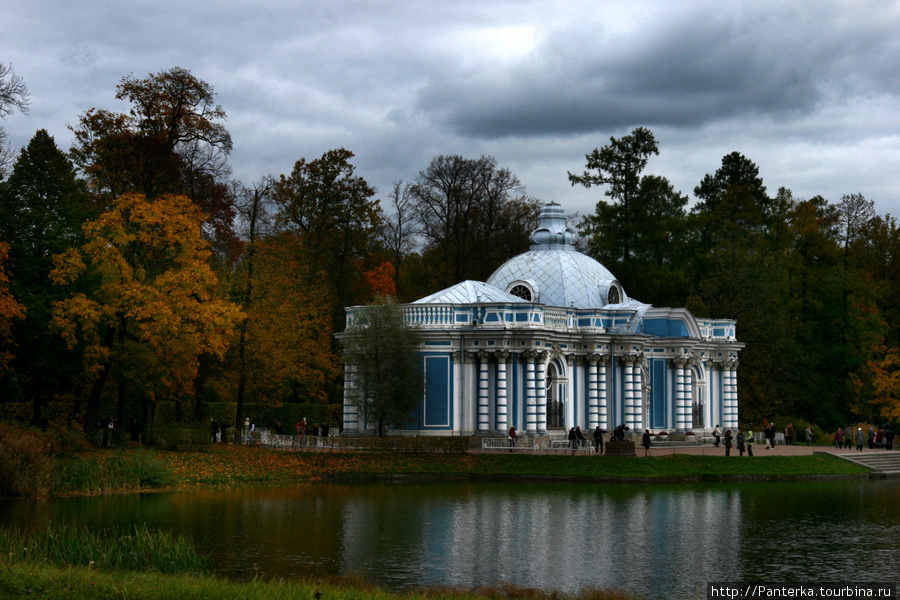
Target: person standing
808, 436
889, 438
645, 442
579, 437
770, 436
838, 438
871, 438
598, 440
739, 438
513, 440
717, 433
572, 439
749, 443
789, 435
728, 437
859, 438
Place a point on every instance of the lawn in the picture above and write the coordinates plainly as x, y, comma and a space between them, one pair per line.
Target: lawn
246, 465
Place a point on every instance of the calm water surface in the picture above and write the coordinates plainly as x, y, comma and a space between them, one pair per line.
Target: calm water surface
661, 541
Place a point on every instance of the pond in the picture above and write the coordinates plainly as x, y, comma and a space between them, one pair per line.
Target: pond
661, 541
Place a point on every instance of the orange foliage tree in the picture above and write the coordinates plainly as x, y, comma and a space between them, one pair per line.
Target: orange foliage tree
152, 308
10, 309
382, 280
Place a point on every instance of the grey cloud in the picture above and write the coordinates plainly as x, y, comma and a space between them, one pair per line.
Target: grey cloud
686, 72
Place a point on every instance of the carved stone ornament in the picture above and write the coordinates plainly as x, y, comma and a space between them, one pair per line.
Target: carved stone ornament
555, 350
501, 355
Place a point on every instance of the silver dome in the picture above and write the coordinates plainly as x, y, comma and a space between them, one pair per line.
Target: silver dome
555, 273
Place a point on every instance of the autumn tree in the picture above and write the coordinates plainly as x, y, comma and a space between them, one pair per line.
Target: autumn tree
335, 220
472, 215
152, 308
13, 96
10, 311
381, 350
286, 339
42, 208
882, 373
171, 141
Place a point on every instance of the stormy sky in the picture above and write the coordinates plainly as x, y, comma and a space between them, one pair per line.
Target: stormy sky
809, 91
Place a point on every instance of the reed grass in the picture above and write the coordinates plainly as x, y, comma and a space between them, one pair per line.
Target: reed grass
135, 548
118, 470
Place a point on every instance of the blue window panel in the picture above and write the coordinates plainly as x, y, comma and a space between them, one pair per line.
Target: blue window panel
658, 393
438, 343
438, 392
462, 318
492, 317
521, 316
584, 322
718, 333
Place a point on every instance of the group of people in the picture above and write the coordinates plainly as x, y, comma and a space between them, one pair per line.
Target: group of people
883, 438
576, 438
744, 441
218, 430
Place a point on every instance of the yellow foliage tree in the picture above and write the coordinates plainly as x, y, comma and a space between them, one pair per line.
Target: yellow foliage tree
884, 374
288, 330
10, 309
151, 307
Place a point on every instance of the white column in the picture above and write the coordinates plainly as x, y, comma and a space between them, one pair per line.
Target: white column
351, 413
541, 388
629, 393
602, 398
593, 403
502, 398
689, 392
483, 406
682, 414
729, 388
530, 392
638, 395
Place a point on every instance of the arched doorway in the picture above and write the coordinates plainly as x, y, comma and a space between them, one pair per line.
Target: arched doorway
699, 418
557, 387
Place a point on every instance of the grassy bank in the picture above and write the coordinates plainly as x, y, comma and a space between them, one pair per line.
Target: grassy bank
30, 580
241, 465
33, 474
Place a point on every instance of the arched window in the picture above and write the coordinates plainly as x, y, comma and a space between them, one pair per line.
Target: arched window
522, 291
613, 296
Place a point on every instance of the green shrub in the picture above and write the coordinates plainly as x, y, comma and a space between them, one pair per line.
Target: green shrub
180, 437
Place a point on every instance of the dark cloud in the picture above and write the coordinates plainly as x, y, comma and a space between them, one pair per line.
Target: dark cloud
690, 70
809, 94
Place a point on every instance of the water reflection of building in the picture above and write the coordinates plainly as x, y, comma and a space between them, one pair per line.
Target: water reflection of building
661, 542
552, 340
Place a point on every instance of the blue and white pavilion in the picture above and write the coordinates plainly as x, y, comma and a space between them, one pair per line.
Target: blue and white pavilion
552, 340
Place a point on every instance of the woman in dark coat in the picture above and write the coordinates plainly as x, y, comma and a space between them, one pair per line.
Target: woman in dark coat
645, 442
728, 437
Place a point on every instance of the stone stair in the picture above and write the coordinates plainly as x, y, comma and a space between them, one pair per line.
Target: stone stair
882, 462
